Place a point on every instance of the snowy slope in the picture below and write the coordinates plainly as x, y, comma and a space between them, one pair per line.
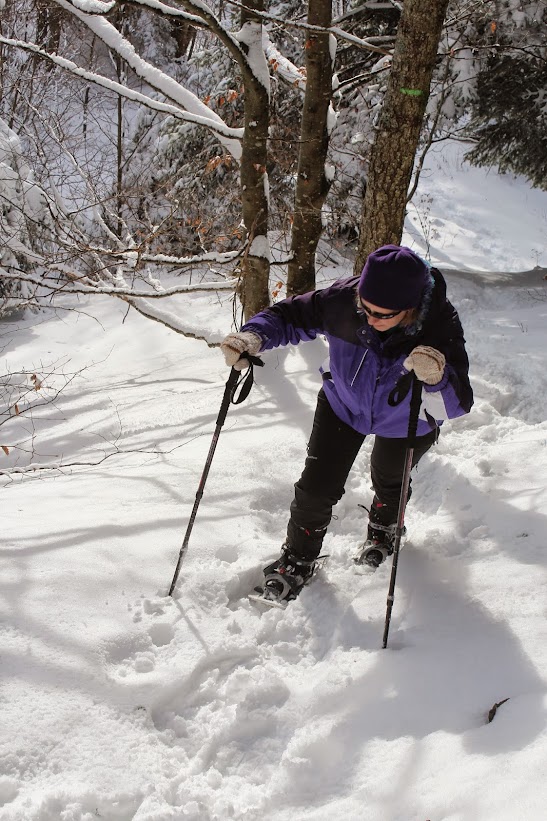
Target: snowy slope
118, 702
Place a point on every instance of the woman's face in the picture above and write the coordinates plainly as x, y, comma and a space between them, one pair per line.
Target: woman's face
375, 319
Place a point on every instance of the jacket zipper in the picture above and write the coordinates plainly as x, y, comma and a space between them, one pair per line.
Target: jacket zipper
359, 368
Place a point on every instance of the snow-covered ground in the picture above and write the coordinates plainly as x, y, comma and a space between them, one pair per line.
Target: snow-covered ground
120, 703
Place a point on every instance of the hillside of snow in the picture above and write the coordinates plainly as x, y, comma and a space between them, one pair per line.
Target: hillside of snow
118, 702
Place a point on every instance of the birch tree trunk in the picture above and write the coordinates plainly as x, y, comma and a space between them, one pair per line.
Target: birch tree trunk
254, 287
400, 124
312, 185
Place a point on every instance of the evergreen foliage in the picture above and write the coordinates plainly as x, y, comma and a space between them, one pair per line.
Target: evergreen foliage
510, 123
509, 112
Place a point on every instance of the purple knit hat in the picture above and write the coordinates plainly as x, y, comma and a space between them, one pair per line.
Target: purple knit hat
394, 277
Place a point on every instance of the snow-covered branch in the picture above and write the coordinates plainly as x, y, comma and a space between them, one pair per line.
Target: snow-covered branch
289, 73
368, 45
154, 77
358, 41
230, 137
94, 6
167, 11
169, 319
54, 286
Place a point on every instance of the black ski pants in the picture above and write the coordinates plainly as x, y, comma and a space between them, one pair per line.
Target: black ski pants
332, 450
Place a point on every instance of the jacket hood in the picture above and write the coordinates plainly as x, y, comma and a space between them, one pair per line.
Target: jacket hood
433, 301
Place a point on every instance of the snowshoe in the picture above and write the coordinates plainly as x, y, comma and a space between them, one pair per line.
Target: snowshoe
284, 579
378, 546
373, 553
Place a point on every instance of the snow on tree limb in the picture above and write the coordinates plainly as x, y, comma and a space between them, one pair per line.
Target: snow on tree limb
219, 257
230, 137
338, 32
169, 319
289, 73
170, 11
357, 41
154, 77
250, 34
94, 6
111, 290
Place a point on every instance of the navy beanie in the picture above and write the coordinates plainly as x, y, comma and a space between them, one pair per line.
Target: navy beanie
394, 277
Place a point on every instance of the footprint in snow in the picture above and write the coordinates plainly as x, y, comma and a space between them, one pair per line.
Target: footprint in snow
138, 653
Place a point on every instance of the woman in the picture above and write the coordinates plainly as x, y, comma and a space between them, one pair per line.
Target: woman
393, 319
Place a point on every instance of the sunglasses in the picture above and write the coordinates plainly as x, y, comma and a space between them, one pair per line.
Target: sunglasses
378, 315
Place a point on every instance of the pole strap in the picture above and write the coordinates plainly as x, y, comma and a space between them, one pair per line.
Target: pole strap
399, 393
237, 379
246, 380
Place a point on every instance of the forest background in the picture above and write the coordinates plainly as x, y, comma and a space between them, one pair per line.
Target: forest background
127, 224
144, 141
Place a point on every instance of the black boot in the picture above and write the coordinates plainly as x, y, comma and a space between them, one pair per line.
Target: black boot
380, 536
285, 578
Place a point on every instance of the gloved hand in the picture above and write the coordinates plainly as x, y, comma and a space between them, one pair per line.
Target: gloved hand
233, 345
427, 363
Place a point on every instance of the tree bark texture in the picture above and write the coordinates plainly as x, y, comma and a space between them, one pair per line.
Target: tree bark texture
400, 124
312, 185
183, 34
255, 267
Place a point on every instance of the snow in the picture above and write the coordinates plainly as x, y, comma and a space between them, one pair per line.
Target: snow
469, 218
121, 703
251, 35
260, 247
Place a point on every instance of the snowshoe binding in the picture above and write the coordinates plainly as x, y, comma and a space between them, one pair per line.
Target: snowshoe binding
284, 579
378, 546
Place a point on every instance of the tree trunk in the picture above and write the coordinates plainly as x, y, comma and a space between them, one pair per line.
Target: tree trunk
48, 27
183, 34
254, 287
392, 156
312, 184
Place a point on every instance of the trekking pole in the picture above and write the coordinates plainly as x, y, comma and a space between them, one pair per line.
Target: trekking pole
235, 378
415, 402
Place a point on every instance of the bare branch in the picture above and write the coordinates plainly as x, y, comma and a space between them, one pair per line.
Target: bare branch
38, 468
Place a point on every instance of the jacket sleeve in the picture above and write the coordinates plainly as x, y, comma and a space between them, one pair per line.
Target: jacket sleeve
293, 320
454, 389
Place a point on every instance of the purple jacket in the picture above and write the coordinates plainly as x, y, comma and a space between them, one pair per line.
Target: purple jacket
364, 366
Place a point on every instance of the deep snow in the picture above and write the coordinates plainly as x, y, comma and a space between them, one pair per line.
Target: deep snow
118, 702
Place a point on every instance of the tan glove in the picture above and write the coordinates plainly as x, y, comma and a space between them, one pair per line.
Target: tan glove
233, 345
427, 363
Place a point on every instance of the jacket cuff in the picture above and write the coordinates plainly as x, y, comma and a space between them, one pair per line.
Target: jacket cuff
249, 328
439, 386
